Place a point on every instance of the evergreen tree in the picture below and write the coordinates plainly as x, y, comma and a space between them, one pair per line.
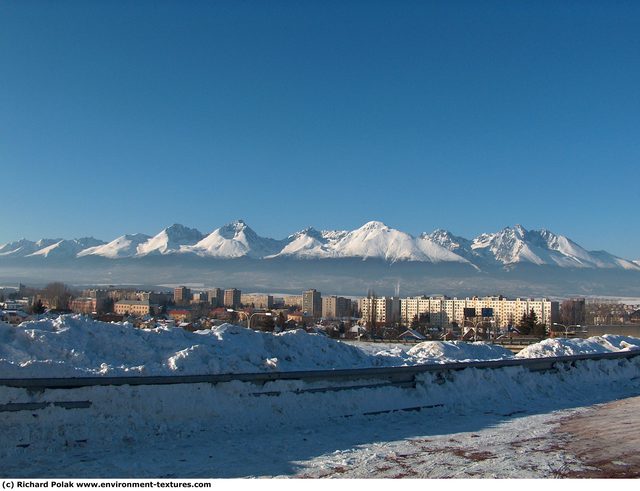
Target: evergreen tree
268, 324
38, 308
281, 320
529, 325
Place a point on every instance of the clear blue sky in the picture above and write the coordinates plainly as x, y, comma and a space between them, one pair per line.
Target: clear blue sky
121, 116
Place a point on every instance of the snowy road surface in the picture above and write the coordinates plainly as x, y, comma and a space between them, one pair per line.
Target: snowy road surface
600, 441
592, 441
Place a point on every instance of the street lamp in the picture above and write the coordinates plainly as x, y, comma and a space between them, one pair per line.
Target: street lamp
566, 328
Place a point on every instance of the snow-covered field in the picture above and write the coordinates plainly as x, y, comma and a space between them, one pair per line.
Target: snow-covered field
239, 429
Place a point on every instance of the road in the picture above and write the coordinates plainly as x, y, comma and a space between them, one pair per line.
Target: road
606, 439
599, 441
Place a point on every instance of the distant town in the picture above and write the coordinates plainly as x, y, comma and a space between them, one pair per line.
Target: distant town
369, 317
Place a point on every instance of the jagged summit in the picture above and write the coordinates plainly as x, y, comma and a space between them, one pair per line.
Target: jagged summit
373, 240
171, 239
233, 240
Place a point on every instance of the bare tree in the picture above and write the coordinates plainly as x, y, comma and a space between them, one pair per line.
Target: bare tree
57, 295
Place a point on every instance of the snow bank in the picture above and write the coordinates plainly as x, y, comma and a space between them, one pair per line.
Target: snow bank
121, 416
452, 351
608, 343
76, 346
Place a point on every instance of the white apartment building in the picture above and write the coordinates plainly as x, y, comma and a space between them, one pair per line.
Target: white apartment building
257, 300
444, 311
381, 310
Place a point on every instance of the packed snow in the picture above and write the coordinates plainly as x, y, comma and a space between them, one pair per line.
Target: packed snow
566, 347
73, 345
294, 428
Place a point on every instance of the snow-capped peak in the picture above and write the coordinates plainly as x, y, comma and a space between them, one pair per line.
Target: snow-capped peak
172, 239
23, 247
66, 248
235, 239
309, 243
377, 240
123, 246
374, 239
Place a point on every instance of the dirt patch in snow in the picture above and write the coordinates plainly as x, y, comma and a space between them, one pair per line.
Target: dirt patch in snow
606, 439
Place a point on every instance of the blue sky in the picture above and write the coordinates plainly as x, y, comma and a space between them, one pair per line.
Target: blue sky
120, 117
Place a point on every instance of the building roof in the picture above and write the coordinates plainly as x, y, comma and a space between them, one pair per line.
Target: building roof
411, 333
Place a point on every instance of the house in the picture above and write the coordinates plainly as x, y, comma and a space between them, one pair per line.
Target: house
412, 335
13, 317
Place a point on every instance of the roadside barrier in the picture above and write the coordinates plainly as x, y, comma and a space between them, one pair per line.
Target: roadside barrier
386, 375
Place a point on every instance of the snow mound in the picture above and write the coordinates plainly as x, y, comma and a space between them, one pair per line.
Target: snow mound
608, 343
452, 351
73, 345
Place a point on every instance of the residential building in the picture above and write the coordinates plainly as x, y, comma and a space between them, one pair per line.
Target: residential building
380, 310
334, 307
232, 298
181, 295
292, 301
200, 297
257, 301
180, 315
312, 303
84, 305
216, 297
443, 312
300, 318
133, 307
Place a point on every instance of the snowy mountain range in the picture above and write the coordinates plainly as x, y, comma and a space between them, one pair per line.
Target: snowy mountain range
374, 240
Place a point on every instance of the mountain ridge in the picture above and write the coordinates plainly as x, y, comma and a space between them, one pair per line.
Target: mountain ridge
373, 240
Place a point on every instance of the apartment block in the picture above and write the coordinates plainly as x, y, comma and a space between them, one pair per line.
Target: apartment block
380, 310
257, 301
292, 300
83, 305
216, 297
442, 311
181, 295
334, 307
232, 298
200, 297
312, 303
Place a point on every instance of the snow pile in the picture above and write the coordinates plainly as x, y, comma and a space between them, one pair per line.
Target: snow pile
455, 351
74, 346
608, 343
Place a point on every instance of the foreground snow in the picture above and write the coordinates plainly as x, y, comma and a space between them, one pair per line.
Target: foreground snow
77, 346
473, 423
